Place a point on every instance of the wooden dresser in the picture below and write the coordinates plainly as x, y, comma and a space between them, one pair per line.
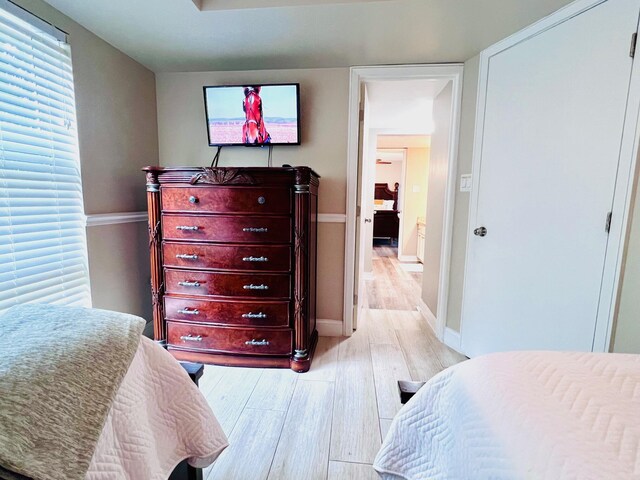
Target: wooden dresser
233, 264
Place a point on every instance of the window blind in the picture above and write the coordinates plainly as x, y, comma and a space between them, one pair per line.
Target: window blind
43, 253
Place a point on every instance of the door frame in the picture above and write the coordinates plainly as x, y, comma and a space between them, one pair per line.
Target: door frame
624, 185
358, 76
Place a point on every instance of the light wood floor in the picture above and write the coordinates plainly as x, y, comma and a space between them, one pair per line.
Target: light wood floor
328, 423
392, 287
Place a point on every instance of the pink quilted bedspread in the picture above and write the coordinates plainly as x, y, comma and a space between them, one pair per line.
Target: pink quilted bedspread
158, 418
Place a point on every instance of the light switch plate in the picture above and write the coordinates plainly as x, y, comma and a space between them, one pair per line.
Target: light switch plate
465, 183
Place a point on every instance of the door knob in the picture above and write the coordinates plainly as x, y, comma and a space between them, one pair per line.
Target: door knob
367, 220
480, 232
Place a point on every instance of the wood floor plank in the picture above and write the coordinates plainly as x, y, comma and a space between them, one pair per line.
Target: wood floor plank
252, 445
355, 436
325, 361
351, 471
228, 401
385, 424
421, 360
380, 328
210, 378
274, 389
303, 450
389, 366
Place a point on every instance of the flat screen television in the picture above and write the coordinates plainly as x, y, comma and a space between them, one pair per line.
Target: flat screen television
266, 114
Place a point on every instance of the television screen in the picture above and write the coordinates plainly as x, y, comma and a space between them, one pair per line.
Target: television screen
253, 114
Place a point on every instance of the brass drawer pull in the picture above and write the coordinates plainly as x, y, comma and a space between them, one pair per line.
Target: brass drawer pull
255, 229
255, 259
258, 343
186, 311
254, 315
256, 287
187, 256
189, 284
190, 228
191, 338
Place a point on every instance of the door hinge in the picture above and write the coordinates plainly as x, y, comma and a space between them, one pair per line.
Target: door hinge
634, 41
607, 223
358, 210
361, 112
355, 299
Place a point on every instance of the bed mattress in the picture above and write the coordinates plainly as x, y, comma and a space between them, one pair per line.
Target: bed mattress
521, 415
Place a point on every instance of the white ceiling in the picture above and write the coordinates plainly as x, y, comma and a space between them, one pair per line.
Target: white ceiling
174, 35
403, 106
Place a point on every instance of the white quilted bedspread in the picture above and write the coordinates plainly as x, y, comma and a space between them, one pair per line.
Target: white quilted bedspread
521, 415
158, 418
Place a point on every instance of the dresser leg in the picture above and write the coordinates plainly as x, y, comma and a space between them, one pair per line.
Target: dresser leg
302, 363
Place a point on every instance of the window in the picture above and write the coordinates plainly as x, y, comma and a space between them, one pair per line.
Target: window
43, 253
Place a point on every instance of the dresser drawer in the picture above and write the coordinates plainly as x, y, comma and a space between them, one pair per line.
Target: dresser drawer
262, 285
273, 258
229, 339
226, 228
263, 314
263, 200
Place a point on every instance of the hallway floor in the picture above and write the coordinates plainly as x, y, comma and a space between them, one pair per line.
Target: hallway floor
328, 423
392, 286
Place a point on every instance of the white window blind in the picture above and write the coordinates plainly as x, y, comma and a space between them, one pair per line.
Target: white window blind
43, 253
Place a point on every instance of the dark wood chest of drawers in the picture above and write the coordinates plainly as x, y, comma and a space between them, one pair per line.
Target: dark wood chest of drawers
233, 264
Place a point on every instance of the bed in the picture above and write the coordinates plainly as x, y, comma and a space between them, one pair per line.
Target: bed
521, 415
84, 395
386, 222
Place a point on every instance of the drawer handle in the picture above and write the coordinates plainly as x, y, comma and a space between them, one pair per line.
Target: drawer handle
186, 311
187, 256
255, 287
191, 338
255, 259
191, 228
258, 343
255, 229
262, 200
189, 284
254, 315
193, 199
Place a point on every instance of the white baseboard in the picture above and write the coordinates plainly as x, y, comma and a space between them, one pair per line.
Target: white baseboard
452, 339
428, 315
368, 275
408, 258
329, 328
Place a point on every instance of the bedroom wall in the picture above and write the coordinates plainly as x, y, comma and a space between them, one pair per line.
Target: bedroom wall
324, 108
436, 193
415, 199
461, 208
626, 337
389, 173
117, 130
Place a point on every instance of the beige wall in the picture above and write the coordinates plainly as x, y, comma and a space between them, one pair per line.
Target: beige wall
117, 130
414, 198
434, 220
461, 209
627, 331
324, 107
390, 173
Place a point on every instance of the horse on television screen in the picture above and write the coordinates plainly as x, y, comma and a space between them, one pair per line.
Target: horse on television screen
253, 130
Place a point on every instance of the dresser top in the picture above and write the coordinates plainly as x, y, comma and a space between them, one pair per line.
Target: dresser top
231, 175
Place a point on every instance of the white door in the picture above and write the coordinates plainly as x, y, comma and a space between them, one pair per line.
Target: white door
548, 157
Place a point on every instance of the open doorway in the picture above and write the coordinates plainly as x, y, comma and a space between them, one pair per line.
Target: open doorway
402, 151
